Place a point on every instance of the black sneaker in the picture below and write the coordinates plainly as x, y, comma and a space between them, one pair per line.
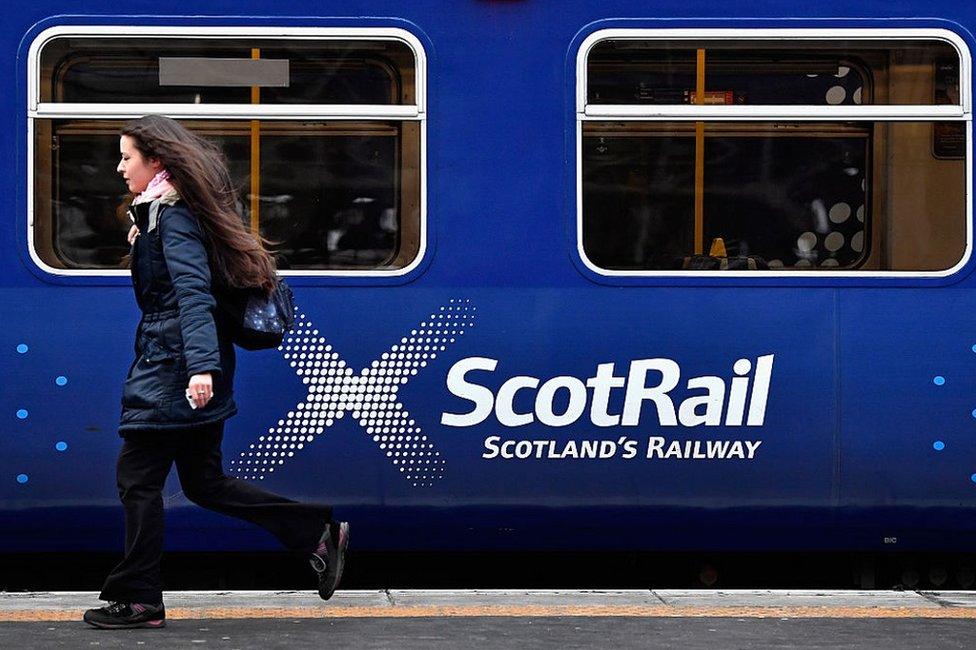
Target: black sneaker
119, 616
330, 556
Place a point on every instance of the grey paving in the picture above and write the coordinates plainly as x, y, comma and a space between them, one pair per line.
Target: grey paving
379, 601
965, 599
81, 600
382, 627
524, 633
524, 598
793, 598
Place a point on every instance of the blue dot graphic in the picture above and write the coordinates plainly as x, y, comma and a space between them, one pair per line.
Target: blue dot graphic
22, 413
974, 348
61, 380
973, 478
938, 445
939, 380
22, 478
22, 348
61, 446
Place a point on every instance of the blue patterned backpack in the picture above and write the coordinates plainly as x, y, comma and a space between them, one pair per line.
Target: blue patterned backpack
259, 322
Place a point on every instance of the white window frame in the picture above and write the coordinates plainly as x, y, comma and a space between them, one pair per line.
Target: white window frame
409, 112
682, 112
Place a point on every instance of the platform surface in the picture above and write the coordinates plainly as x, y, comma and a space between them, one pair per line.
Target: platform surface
706, 619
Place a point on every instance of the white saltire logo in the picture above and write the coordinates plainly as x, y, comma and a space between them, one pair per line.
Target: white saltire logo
369, 395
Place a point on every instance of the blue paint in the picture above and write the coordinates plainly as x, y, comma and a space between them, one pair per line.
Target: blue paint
61, 380
22, 478
938, 445
61, 446
939, 380
22, 414
839, 459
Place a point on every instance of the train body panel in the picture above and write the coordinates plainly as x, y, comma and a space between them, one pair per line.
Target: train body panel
469, 402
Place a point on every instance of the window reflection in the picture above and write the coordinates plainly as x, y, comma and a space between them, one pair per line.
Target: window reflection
332, 195
766, 73
95, 70
776, 196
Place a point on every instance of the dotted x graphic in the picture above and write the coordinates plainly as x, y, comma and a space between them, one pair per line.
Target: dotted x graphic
369, 395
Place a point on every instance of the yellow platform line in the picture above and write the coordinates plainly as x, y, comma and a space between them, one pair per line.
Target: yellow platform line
650, 611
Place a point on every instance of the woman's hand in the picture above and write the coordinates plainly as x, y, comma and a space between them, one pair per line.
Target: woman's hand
201, 389
133, 233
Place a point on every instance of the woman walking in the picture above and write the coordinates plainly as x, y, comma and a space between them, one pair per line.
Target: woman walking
189, 247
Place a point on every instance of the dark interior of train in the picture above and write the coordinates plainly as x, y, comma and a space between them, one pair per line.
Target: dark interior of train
777, 194
327, 194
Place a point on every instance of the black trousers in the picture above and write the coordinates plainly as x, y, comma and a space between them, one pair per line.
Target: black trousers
145, 461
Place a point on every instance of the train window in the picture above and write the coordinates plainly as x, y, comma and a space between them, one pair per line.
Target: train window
784, 155
777, 72
323, 133
195, 70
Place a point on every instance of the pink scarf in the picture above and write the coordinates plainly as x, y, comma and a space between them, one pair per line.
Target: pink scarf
158, 186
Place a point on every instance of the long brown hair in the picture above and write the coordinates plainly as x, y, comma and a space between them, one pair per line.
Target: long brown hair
198, 171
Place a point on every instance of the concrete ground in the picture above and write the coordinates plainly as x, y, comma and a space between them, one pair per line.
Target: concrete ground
706, 619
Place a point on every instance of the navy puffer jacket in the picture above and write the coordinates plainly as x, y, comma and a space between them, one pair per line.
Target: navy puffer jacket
181, 332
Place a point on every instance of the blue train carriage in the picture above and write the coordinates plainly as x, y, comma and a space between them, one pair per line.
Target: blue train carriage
621, 283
